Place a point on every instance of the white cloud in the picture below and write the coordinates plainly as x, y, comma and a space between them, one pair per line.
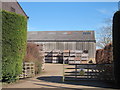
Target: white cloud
106, 11
103, 11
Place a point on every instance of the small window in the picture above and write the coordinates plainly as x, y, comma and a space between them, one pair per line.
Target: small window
86, 33
12, 9
65, 33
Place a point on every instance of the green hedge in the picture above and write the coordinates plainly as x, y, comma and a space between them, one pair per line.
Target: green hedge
116, 46
14, 37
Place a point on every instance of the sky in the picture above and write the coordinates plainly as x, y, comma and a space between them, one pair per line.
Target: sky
68, 16
66, 0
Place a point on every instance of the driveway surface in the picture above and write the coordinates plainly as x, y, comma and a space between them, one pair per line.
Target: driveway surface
51, 77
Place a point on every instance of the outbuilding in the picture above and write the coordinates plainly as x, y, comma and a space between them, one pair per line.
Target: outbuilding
55, 43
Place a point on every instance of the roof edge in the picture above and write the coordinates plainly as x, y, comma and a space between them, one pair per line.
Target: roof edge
22, 9
61, 40
65, 31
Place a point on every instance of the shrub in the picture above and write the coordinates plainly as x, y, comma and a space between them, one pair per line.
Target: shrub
104, 56
14, 30
34, 55
116, 45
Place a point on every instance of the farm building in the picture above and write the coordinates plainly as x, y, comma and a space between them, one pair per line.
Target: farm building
57, 43
13, 6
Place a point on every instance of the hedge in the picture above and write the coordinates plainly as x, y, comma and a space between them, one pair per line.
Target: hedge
116, 45
14, 37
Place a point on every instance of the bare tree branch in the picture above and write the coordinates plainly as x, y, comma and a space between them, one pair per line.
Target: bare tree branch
105, 34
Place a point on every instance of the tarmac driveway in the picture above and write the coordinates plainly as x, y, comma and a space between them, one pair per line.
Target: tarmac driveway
52, 78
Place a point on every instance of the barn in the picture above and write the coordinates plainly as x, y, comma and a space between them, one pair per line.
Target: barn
57, 43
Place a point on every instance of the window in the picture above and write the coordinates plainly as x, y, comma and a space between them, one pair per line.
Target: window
86, 33
12, 9
67, 33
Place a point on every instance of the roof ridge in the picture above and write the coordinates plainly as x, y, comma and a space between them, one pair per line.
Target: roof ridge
64, 31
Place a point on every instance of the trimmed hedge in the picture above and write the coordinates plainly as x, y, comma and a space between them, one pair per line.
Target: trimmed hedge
105, 55
116, 45
14, 37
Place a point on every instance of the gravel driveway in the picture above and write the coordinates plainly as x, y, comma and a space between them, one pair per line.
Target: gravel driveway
52, 78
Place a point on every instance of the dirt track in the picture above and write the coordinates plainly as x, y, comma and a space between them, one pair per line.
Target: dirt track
52, 78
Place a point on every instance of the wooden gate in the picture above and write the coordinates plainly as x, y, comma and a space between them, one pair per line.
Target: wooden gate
88, 72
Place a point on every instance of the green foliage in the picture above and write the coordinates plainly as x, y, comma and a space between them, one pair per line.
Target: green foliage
14, 32
116, 46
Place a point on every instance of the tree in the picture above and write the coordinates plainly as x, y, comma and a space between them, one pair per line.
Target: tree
105, 34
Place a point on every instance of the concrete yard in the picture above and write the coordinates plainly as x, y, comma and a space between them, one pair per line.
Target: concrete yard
52, 78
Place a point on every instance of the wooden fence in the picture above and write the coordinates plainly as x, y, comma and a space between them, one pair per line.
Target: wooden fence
88, 72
